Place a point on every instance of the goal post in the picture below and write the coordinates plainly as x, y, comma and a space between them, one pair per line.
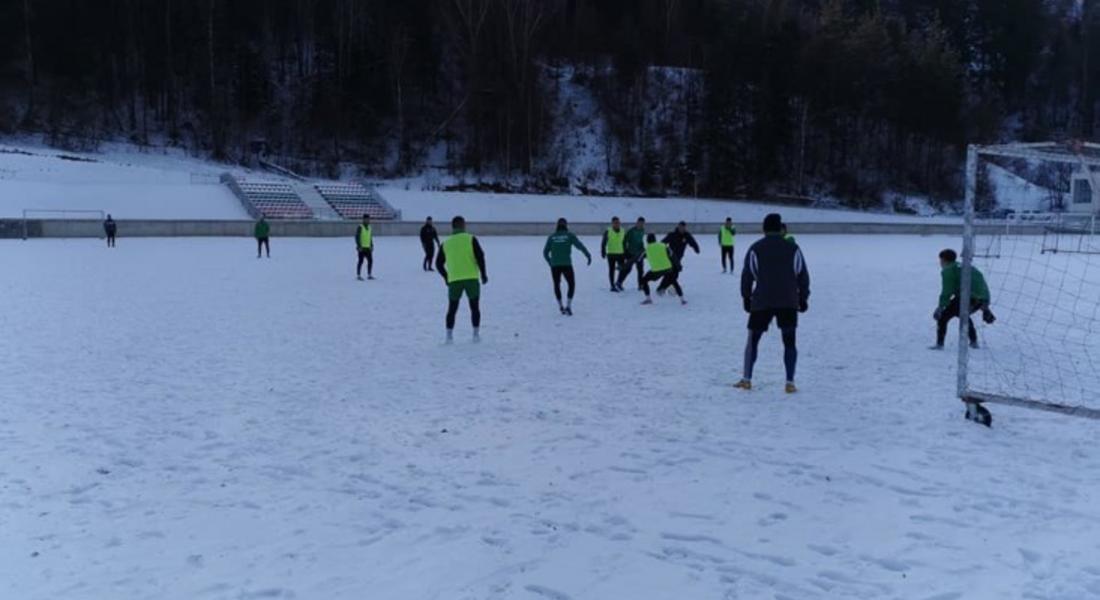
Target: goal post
30, 214
1037, 204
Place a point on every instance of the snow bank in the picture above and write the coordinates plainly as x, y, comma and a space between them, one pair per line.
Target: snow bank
144, 186
416, 205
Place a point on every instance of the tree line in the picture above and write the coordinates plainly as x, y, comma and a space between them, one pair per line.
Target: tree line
844, 98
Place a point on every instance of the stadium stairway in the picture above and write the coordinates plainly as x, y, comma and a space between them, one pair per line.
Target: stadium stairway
317, 203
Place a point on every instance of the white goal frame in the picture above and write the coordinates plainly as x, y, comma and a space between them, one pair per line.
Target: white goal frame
1073, 153
30, 214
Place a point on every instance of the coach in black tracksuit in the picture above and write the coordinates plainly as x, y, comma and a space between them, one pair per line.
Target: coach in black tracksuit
429, 239
678, 241
775, 284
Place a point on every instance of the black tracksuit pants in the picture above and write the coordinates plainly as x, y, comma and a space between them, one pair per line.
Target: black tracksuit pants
951, 312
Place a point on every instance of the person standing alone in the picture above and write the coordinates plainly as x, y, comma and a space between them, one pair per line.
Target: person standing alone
110, 228
262, 232
461, 263
726, 237
364, 244
775, 284
558, 253
429, 239
612, 247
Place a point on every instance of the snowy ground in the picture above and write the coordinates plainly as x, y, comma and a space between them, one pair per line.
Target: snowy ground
183, 421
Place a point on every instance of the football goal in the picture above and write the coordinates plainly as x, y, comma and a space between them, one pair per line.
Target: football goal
1030, 229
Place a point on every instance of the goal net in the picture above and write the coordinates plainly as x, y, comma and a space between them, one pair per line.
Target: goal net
1031, 231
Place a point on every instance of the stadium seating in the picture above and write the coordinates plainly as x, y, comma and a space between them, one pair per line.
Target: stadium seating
275, 200
352, 201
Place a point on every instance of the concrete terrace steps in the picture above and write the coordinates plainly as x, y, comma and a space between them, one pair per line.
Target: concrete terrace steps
316, 202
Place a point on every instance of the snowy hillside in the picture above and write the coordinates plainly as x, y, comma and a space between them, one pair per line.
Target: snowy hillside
283, 431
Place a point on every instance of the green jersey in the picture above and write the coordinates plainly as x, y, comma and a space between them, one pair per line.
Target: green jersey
635, 241
952, 284
558, 250
262, 230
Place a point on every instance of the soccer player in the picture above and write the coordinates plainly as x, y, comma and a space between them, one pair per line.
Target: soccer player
634, 246
262, 232
364, 245
661, 268
678, 240
725, 242
612, 247
787, 236
110, 228
775, 284
429, 239
948, 307
558, 253
461, 263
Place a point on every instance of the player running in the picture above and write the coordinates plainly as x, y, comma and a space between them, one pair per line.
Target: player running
775, 284
262, 233
110, 228
429, 239
558, 253
613, 248
948, 307
364, 245
461, 263
634, 246
678, 241
661, 268
726, 237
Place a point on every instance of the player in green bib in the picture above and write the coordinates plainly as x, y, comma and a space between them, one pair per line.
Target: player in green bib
364, 245
726, 236
613, 248
461, 262
661, 267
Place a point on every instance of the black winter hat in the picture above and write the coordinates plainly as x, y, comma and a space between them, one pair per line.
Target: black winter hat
773, 223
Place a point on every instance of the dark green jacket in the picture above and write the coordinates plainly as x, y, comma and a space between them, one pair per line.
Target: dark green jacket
634, 244
558, 250
952, 280
263, 229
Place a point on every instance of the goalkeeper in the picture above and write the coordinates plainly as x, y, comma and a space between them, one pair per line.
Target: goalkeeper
948, 307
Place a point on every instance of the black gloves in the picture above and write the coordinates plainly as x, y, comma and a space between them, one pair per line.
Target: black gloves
937, 314
748, 304
803, 306
988, 316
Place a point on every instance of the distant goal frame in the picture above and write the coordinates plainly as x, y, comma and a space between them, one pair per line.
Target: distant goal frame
1070, 152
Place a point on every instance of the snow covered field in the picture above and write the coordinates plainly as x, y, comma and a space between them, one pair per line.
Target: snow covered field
183, 421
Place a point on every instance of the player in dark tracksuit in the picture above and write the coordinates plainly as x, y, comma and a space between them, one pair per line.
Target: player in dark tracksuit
110, 228
429, 239
634, 245
775, 284
678, 241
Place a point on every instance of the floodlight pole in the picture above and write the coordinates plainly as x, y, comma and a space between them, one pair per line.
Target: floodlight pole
967, 265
